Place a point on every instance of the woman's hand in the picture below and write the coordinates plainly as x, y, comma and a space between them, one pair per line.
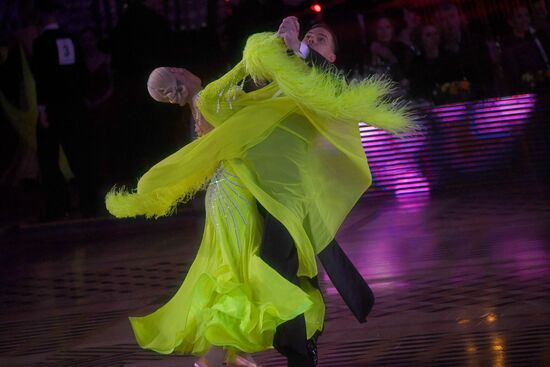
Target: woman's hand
202, 126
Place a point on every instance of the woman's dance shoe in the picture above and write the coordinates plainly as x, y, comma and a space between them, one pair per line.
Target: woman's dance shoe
241, 361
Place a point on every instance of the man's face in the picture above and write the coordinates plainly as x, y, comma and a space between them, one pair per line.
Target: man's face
384, 30
411, 18
449, 19
320, 40
539, 9
430, 37
520, 20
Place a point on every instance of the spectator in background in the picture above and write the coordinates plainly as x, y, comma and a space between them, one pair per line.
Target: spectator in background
348, 22
433, 68
453, 28
98, 64
60, 76
410, 34
18, 161
141, 41
142, 130
539, 13
200, 30
9, 95
98, 95
525, 54
254, 16
467, 50
387, 55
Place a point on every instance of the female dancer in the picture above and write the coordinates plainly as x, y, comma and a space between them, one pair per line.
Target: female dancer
293, 147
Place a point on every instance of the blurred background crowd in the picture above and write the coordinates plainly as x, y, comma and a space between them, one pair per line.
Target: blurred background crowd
106, 130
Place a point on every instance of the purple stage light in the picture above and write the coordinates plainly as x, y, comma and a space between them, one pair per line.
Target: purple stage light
462, 138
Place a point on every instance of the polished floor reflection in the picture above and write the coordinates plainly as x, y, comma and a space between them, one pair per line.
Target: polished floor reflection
460, 280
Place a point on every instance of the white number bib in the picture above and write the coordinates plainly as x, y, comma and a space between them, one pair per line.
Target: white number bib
65, 51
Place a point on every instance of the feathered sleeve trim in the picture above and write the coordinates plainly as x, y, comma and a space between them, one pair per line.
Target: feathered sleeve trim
326, 91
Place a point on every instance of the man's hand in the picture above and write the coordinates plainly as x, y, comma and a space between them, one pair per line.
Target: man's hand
289, 31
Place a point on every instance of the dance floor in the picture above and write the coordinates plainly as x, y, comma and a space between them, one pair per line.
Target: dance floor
461, 279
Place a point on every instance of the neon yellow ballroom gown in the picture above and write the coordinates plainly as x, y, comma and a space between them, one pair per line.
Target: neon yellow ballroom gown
229, 297
294, 147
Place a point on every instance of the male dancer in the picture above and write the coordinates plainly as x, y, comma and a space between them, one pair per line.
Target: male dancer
277, 248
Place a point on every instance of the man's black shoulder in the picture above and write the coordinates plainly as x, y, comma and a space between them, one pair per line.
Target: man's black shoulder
315, 59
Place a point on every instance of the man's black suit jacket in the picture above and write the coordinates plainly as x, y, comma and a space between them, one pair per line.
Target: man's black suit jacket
347, 280
58, 69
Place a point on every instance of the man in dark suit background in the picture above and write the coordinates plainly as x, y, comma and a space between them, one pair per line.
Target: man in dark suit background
467, 49
60, 78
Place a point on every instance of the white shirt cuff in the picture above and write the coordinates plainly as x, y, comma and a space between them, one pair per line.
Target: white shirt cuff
304, 50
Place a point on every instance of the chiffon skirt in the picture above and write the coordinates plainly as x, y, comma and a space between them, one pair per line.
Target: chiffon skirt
230, 298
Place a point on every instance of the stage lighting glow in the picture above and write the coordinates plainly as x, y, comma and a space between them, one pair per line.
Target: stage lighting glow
317, 8
459, 138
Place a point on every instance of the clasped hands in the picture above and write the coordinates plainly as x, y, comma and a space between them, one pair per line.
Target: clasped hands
289, 31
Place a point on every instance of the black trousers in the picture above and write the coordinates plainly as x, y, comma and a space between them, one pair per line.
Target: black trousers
58, 198
74, 136
278, 250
